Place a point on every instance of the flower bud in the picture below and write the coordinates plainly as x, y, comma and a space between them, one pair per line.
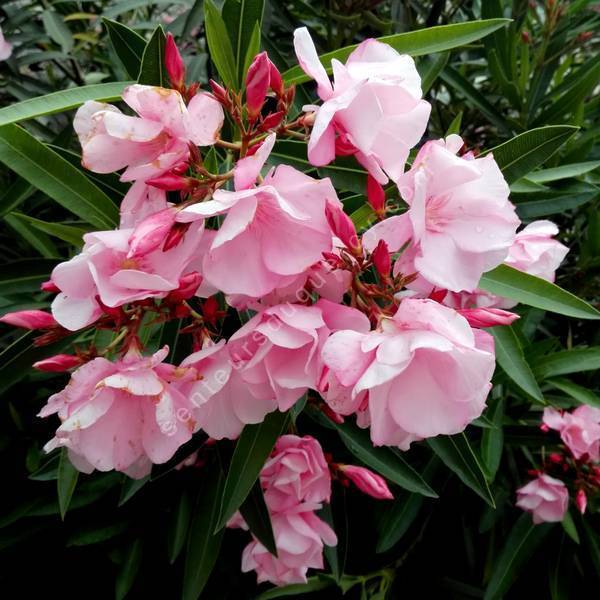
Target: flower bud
487, 317
171, 182
257, 84
175, 235
174, 63
276, 80
525, 37
375, 195
50, 287
29, 319
210, 310
57, 363
151, 232
219, 92
581, 501
368, 482
381, 259
342, 227
188, 285
271, 121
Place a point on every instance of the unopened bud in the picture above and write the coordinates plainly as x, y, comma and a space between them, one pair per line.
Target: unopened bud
257, 84
57, 363
174, 63
50, 287
342, 227
29, 319
375, 195
368, 482
581, 501
381, 259
487, 317
151, 232
175, 235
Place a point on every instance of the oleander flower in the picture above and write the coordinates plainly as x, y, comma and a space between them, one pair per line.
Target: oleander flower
460, 222
374, 109
154, 141
423, 373
122, 415
579, 429
545, 498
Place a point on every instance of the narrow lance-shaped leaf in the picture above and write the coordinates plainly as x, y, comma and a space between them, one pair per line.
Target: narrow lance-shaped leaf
511, 283
577, 392
66, 482
219, 44
414, 43
153, 70
568, 361
256, 514
128, 45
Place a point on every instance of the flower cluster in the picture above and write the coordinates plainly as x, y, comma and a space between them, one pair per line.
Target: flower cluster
547, 497
280, 294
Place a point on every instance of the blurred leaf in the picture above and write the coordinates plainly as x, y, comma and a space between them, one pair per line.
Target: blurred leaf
131, 487
49, 470
523, 153
152, 69
203, 542
66, 482
523, 540
578, 392
430, 68
26, 275
567, 361
569, 526
194, 18
95, 535
458, 455
129, 46
414, 43
509, 355
57, 30
256, 514
68, 233
61, 101
35, 238
219, 44
251, 451
179, 526
563, 172
241, 17
514, 284
129, 569
313, 584
47, 171
492, 439
592, 539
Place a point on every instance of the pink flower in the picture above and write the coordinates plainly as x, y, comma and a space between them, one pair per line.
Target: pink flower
270, 235
296, 472
368, 482
535, 252
29, 319
105, 269
545, 498
123, 415
425, 370
150, 233
299, 537
460, 221
247, 169
152, 142
222, 405
375, 106
278, 350
5, 47
140, 202
579, 430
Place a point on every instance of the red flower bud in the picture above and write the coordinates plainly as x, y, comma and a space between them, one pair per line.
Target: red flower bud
342, 226
375, 195
257, 84
487, 317
175, 235
381, 259
581, 501
170, 182
525, 37
438, 295
151, 232
343, 146
174, 63
219, 92
368, 482
275, 79
57, 363
272, 121
210, 310
50, 287
188, 285
29, 319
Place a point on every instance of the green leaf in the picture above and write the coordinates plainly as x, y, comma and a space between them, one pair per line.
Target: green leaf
404, 510
131, 487
219, 44
569, 526
430, 68
567, 361
253, 50
61, 101
413, 43
492, 439
94, 534
152, 69
523, 540
241, 18
454, 126
203, 543
129, 46
129, 570
593, 544
509, 355
49, 470
179, 526
382, 459
313, 584
458, 455
577, 392
511, 283
35, 238
66, 482
57, 30
195, 17
14, 195
54, 176
256, 514
25, 276
563, 172
68, 233
523, 153
251, 451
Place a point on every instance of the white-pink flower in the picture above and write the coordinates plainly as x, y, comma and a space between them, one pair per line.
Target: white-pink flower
579, 429
374, 106
106, 270
546, 498
425, 372
122, 415
460, 222
5, 47
271, 233
154, 141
